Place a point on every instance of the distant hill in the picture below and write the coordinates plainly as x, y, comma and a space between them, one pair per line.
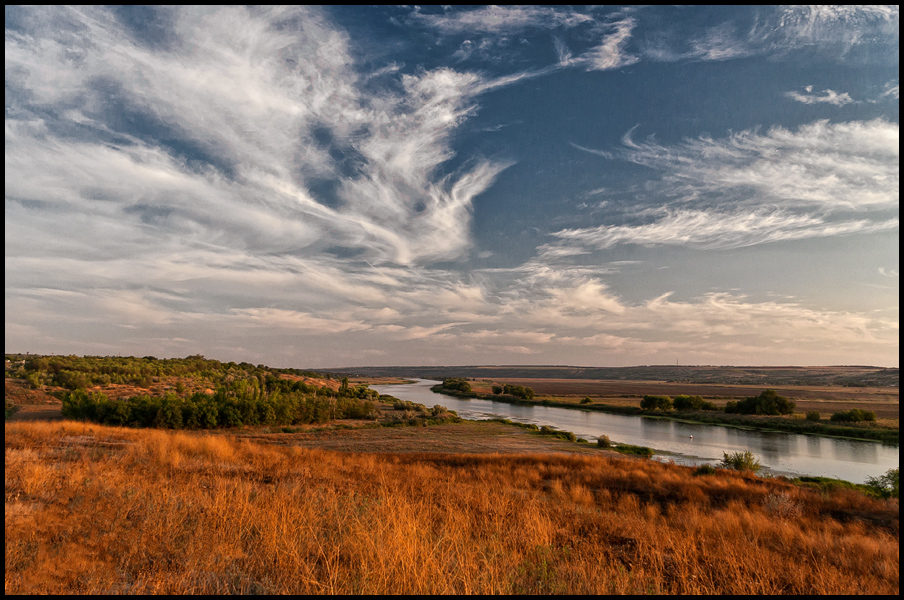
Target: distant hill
853, 376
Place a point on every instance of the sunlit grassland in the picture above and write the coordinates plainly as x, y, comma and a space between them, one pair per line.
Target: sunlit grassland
94, 509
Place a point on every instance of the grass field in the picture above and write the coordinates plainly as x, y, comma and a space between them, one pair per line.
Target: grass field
94, 509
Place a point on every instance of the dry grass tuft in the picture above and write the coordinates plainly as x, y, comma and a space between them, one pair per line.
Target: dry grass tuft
92, 509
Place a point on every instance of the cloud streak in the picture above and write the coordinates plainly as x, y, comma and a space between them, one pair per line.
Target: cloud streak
851, 166
827, 97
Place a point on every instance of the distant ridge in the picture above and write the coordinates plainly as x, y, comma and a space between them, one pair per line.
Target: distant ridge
853, 376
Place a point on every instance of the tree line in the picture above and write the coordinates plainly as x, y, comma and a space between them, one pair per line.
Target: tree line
242, 402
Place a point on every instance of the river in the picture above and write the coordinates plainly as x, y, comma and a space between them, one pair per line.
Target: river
684, 443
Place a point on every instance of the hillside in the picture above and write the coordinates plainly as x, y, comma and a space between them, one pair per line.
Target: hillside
94, 509
855, 376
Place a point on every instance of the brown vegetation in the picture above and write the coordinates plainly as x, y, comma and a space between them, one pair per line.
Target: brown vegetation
92, 509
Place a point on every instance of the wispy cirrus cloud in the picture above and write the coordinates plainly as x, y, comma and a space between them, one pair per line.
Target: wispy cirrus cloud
504, 20
843, 166
267, 121
753, 188
612, 52
242, 155
891, 91
846, 25
824, 97
712, 230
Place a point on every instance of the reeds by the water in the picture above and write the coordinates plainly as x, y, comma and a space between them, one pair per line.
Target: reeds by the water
93, 509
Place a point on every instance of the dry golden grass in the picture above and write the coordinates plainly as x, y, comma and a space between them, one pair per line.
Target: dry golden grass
92, 509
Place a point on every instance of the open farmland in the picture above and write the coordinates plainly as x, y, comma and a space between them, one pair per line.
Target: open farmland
826, 399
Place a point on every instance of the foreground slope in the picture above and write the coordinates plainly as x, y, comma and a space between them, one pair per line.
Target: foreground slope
94, 509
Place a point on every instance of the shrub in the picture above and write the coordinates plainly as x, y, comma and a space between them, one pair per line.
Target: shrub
705, 470
79, 405
457, 383
886, 485
603, 441
33, 380
656, 403
782, 505
684, 402
740, 461
519, 391
497, 389
636, 450
586, 400
812, 415
767, 403
854, 415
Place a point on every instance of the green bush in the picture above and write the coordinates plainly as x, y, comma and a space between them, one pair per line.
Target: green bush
586, 400
34, 380
562, 435
603, 441
656, 403
635, 450
684, 402
457, 384
854, 415
741, 461
705, 470
519, 391
812, 415
886, 485
767, 403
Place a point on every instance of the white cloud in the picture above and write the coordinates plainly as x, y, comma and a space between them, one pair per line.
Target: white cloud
711, 230
827, 97
829, 166
254, 103
891, 91
501, 19
753, 188
612, 52
845, 24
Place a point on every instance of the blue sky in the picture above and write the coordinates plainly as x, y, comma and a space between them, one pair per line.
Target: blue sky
325, 187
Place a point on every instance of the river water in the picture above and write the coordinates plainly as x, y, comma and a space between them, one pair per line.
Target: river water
684, 443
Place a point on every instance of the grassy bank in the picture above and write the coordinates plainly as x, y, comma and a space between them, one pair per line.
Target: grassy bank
96, 509
886, 435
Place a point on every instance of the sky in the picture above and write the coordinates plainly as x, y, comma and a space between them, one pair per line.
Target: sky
318, 187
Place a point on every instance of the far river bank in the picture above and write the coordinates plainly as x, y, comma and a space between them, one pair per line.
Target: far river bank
885, 435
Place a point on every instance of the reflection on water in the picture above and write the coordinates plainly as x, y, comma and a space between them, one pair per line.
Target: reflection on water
685, 443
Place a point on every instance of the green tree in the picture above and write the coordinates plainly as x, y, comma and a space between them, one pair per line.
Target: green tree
886, 484
651, 402
740, 461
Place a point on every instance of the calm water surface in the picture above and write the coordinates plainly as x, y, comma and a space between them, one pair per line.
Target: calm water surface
780, 453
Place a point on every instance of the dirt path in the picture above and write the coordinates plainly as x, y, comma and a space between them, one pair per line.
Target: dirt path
37, 412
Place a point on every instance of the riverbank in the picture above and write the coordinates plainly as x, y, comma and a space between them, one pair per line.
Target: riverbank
794, 424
